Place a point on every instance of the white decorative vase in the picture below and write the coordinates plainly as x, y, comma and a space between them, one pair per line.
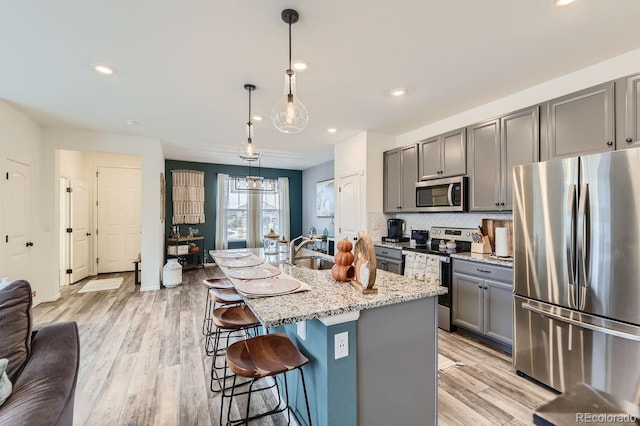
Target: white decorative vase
172, 273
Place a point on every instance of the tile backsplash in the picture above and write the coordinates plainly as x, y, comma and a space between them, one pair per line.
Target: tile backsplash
456, 220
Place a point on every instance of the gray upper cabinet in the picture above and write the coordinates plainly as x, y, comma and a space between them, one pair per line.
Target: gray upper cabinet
628, 112
443, 156
520, 144
400, 174
495, 147
581, 123
484, 165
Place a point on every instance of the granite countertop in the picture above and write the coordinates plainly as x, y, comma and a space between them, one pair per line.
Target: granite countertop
483, 258
329, 297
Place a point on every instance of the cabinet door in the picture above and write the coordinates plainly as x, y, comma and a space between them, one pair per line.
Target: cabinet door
454, 153
582, 122
468, 305
409, 177
430, 160
395, 267
520, 144
498, 311
631, 133
391, 180
484, 164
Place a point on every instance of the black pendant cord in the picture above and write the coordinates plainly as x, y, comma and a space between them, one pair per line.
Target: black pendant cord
290, 70
249, 121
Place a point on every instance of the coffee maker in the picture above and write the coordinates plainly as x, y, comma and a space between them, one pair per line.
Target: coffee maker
395, 228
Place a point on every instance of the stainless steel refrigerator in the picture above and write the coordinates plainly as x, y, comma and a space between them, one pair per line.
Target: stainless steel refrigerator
577, 272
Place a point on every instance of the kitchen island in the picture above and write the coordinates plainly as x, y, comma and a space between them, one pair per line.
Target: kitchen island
389, 372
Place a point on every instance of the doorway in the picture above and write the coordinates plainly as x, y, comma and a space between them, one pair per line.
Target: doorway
119, 218
74, 230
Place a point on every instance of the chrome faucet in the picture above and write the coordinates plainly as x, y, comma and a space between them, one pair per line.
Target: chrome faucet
293, 249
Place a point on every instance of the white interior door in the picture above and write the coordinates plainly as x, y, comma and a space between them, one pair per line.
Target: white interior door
349, 207
119, 218
16, 221
79, 230
65, 238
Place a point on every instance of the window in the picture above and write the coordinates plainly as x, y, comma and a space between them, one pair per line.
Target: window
237, 211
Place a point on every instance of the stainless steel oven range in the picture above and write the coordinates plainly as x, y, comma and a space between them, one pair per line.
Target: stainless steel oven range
431, 247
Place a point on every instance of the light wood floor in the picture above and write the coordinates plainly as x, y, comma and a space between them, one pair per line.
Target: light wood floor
143, 363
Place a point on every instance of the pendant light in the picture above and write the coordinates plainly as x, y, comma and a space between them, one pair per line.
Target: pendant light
289, 115
247, 150
251, 182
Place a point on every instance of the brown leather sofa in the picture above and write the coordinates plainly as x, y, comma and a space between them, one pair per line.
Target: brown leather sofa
43, 364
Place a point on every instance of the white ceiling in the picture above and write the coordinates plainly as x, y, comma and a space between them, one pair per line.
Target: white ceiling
182, 64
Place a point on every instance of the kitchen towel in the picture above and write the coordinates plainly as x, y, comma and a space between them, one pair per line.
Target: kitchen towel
502, 245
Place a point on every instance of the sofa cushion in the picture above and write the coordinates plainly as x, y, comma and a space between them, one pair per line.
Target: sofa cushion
15, 332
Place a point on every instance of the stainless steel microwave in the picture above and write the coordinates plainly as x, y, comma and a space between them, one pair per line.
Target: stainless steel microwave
442, 195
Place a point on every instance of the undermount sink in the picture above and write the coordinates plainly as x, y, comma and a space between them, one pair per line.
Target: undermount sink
313, 262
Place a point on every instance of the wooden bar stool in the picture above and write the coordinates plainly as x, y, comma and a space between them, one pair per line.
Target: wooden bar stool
219, 281
258, 358
229, 321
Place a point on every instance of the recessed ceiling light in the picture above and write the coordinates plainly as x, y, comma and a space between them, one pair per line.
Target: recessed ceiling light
332, 130
398, 92
560, 3
104, 69
257, 117
133, 123
300, 66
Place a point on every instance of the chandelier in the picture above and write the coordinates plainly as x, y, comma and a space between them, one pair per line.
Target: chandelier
289, 115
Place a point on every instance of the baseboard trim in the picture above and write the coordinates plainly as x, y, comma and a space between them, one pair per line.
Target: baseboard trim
46, 299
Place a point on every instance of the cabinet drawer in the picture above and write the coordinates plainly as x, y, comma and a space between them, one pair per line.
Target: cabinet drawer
389, 253
483, 270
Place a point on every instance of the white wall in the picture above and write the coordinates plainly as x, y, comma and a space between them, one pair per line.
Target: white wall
363, 154
21, 141
310, 177
152, 164
83, 166
613, 68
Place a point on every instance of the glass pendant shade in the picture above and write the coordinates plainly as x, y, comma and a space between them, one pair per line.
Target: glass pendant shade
289, 114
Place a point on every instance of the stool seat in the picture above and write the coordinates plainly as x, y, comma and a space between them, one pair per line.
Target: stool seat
234, 317
217, 283
225, 295
264, 356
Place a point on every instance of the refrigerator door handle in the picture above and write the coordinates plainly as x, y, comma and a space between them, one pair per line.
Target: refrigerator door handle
569, 243
611, 331
450, 195
583, 243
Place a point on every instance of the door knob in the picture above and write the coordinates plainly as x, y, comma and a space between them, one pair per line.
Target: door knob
609, 143
88, 234
629, 140
29, 244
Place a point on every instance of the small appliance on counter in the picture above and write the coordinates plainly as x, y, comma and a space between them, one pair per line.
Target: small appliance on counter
421, 237
395, 228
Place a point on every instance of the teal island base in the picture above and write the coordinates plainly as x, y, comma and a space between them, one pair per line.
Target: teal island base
389, 375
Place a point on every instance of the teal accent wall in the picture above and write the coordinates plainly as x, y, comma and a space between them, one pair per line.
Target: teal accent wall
331, 383
208, 229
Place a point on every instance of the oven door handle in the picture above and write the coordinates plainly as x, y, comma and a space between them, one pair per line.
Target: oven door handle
450, 194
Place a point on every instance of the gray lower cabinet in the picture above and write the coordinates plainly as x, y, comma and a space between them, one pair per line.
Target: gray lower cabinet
400, 174
483, 299
581, 123
495, 147
628, 112
389, 259
443, 156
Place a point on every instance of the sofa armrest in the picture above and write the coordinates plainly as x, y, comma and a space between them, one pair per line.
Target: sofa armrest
44, 392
